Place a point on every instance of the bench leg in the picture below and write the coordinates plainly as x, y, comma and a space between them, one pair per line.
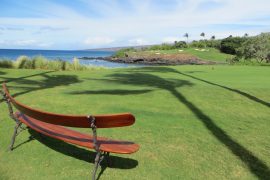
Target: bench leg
97, 159
14, 136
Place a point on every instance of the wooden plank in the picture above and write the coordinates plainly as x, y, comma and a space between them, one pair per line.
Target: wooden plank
77, 138
102, 121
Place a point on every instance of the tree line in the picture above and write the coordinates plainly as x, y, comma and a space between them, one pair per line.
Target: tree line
245, 47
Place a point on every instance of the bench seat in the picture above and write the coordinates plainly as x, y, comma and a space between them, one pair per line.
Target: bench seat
77, 138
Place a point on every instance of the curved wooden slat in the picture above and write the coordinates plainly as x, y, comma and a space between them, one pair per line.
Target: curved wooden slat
77, 138
102, 121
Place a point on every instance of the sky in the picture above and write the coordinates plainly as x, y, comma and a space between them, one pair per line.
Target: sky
88, 24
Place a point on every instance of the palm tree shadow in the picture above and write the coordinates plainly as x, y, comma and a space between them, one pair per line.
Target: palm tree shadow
170, 70
2, 73
112, 92
249, 96
49, 81
20, 79
255, 165
81, 153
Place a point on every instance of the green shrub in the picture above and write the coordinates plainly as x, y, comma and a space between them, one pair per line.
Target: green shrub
123, 52
257, 47
180, 44
6, 64
29, 64
163, 46
198, 44
213, 43
21, 61
53, 65
233, 59
39, 62
231, 44
76, 64
63, 65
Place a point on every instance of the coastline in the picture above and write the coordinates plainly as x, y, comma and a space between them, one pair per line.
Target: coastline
154, 60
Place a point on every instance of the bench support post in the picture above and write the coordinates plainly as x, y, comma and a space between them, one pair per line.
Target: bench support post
11, 114
10, 109
99, 157
15, 133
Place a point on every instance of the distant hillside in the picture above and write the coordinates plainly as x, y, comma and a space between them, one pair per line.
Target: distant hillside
119, 48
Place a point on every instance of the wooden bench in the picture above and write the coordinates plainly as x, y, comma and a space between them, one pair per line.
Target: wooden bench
53, 125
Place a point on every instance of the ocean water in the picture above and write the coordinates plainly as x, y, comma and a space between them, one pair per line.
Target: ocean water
64, 55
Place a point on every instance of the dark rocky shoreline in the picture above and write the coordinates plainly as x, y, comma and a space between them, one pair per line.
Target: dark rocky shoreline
154, 60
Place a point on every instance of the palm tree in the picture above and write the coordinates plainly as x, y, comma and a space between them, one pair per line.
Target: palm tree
202, 34
212, 41
204, 41
186, 35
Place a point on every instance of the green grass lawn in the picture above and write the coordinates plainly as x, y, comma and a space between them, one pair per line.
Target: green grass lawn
211, 54
192, 122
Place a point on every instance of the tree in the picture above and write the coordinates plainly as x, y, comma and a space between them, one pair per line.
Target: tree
204, 41
186, 35
257, 47
202, 34
213, 37
246, 35
180, 44
230, 44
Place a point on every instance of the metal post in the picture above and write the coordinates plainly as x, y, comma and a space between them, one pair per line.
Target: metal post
99, 156
10, 109
11, 114
14, 136
3, 97
96, 166
94, 130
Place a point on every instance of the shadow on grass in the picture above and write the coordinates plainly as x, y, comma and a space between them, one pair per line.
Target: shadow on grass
170, 70
112, 92
250, 97
20, 79
2, 73
49, 81
83, 154
24, 142
255, 165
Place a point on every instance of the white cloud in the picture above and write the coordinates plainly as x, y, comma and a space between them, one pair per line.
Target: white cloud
93, 41
120, 24
25, 43
138, 41
18, 42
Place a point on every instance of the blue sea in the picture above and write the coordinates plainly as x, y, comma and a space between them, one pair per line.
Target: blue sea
66, 55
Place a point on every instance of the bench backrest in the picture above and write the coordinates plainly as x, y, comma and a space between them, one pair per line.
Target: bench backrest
102, 121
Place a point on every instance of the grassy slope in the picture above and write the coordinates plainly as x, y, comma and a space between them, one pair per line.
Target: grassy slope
190, 124
211, 54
